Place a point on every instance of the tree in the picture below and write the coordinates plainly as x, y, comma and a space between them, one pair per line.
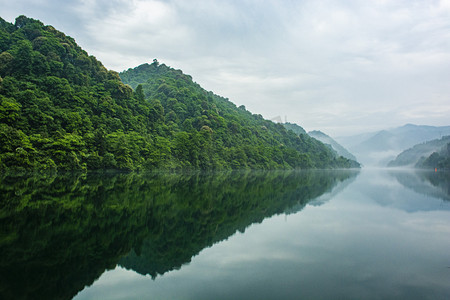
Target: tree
9, 110
6, 63
140, 93
22, 58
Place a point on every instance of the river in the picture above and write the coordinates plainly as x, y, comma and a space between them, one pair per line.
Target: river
369, 234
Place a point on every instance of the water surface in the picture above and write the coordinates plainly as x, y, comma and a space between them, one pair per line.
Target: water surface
246, 235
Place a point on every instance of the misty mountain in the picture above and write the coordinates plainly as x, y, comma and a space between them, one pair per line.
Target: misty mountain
418, 153
437, 160
327, 140
379, 148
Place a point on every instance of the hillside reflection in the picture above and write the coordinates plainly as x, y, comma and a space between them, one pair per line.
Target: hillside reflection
59, 233
430, 183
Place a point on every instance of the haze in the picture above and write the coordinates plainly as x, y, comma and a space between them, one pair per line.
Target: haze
343, 68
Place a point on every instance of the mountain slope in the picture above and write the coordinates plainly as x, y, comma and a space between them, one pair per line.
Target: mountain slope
62, 109
297, 129
419, 153
437, 160
326, 139
229, 134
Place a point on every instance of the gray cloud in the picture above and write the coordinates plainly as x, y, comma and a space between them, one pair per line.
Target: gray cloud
341, 67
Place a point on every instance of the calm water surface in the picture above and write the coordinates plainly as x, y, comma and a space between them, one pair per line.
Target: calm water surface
373, 234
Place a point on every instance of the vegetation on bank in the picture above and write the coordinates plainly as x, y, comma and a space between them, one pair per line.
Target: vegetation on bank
437, 160
61, 109
429, 155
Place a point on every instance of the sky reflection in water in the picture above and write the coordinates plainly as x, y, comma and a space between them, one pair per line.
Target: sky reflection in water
378, 238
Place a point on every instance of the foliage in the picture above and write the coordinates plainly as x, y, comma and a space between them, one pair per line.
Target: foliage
437, 160
295, 128
209, 132
62, 109
420, 155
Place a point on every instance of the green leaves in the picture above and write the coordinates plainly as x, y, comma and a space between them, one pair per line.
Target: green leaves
22, 62
6, 63
9, 110
16, 150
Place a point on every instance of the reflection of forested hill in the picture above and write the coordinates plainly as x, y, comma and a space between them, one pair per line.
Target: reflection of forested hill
59, 233
435, 184
227, 206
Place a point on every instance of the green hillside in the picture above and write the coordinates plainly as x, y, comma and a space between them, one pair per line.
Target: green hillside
424, 155
437, 160
62, 109
213, 132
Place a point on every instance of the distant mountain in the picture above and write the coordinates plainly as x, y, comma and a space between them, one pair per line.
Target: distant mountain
379, 148
419, 153
327, 140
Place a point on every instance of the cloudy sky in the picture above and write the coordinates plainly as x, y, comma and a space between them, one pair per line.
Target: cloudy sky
343, 67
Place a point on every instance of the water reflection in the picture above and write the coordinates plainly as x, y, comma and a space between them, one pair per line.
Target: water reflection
434, 184
376, 239
59, 233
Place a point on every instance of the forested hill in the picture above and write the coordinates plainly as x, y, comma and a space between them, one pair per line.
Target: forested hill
62, 109
326, 139
297, 129
229, 135
431, 154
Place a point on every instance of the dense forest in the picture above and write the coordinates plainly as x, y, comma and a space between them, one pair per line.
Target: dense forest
297, 129
61, 109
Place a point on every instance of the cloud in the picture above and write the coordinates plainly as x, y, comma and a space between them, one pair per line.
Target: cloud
131, 29
336, 66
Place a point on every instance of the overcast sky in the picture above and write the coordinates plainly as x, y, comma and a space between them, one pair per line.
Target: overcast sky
343, 67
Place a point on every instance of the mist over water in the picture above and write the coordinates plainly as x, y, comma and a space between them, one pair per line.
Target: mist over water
408, 143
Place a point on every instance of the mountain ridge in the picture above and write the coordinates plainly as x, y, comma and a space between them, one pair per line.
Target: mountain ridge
327, 140
187, 106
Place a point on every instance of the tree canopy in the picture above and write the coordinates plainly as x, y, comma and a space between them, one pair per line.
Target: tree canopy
60, 108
